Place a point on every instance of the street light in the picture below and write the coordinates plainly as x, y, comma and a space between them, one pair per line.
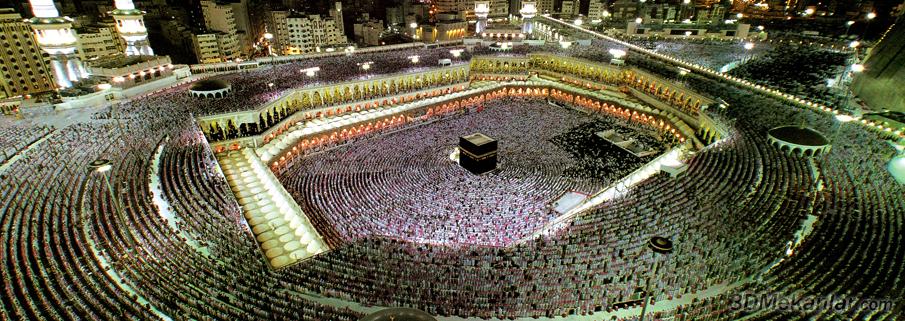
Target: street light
842, 119
639, 20
659, 245
856, 68
870, 16
311, 72
854, 44
103, 166
848, 26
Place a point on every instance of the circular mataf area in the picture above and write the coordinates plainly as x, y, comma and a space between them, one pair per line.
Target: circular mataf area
210, 88
799, 140
405, 187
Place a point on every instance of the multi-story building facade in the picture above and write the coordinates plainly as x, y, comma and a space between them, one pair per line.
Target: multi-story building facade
215, 47
22, 67
220, 21
544, 6
367, 31
310, 33
99, 41
597, 10
277, 26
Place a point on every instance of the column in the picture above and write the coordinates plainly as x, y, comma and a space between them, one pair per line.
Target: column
59, 73
72, 70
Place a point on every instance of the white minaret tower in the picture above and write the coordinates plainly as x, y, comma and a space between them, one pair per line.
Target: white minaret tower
528, 12
481, 10
130, 24
56, 37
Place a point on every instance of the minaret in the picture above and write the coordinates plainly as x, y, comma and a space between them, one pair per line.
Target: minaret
130, 24
481, 10
528, 12
56, 37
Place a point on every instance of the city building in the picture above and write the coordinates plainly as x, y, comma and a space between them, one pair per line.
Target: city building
625, 9
56, 37
367, 31
336, 13
180, 38
213, 47
543, 6
310, 33
99, 41
454, 5
278, 28
220, 21
570, 8
244, 25
22, 66
597, 10
498, 8
449, 26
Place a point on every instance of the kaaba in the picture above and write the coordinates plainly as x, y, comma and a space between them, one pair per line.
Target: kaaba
477, 153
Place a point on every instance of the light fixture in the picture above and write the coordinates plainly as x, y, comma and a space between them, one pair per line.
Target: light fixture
857, 68
101, 165
844, 118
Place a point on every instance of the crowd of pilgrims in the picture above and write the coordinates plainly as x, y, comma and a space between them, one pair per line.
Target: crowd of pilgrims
542, 154
798, 70
69, 254
16, 136
255, 87
713, 54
